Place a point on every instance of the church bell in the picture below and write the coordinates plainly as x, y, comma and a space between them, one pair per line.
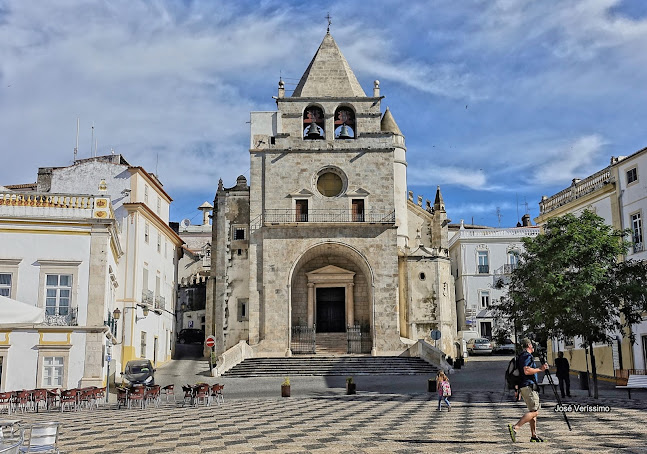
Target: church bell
313, 131
343, 132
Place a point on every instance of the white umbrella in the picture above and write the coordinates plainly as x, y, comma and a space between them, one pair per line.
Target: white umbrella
13, 311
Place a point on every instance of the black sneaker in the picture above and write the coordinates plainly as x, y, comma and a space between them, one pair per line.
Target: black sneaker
536, 439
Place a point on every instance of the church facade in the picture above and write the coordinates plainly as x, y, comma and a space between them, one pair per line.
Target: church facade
324, 242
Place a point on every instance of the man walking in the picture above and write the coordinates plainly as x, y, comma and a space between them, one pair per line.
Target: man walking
528, 389
562, 373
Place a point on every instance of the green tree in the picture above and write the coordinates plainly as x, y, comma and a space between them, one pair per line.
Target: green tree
570, 282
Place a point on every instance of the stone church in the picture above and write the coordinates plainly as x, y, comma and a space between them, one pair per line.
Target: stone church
324, 246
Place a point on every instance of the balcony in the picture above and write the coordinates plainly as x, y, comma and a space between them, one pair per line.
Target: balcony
160, 302
484, 269
59, 319
288, 216
147, 297
638, 247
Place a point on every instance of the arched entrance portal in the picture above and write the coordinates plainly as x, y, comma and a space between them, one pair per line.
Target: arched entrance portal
331, 289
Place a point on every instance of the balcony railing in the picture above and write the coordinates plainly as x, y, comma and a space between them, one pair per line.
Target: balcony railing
484, 269
286, 216
147, 297
58, 319
160, 302
576, 190
638, 247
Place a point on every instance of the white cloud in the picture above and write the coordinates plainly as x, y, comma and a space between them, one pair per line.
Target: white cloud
577, 159
437, 175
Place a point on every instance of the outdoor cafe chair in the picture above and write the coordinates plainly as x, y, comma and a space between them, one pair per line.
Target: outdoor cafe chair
23, 400
43, 437
136, 394
38, 396
86, 398
152, 395
6, 401
12, 446
69, 399
52, 398
122, 397
202, 394
216, 393
99, 396
168, 390
188, 393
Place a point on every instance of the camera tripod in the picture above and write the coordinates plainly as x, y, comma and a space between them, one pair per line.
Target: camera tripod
542, 359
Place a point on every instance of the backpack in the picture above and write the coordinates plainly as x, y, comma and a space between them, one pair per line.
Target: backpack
447, 389
513, 374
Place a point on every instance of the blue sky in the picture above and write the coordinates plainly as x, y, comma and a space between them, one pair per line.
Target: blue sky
501, 101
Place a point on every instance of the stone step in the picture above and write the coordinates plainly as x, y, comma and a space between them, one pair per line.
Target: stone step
331, 365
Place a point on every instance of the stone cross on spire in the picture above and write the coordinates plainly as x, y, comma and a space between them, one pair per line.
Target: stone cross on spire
329, 22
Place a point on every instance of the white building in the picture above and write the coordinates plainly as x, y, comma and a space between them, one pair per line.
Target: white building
142, 270
58, 252
480, 256
617, 193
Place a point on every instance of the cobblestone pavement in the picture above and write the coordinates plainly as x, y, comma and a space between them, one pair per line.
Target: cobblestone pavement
367, 422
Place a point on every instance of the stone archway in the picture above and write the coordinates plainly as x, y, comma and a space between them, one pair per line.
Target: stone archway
332, 265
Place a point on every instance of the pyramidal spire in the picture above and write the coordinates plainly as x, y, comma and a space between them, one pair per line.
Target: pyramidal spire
388, 123
328, 75
439, 204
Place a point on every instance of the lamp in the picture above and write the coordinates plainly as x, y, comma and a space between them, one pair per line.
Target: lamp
183, 307
116, 314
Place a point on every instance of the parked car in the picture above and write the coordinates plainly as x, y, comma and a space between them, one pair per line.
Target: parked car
479, 345
507, 346
139, 372
190, 335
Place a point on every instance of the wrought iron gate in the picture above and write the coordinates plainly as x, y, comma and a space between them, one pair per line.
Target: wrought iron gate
303, 339
359, 341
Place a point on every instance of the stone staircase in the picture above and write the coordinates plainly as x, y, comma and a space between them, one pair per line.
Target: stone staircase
332, 344
331, 365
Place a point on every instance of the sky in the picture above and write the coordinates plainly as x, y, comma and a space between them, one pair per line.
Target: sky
500, 101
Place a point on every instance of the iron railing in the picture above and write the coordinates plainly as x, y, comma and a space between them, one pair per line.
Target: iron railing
147, 297
359, 341
303, 339
58, 319
285, 216
484, 269
160, 302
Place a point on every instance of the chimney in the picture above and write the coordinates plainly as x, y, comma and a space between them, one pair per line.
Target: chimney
525, 220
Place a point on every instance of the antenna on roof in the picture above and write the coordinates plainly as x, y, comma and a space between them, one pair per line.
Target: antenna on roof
92, 139
157, 160
525, 204
499, 215
76, 148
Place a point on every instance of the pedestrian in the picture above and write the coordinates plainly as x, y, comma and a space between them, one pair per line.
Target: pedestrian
444, 390
528, 389
563, 375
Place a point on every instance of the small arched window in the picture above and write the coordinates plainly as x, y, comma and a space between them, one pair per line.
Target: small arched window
313, 123
344, 123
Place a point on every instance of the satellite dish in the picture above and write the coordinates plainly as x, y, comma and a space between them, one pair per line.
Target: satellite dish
185, 223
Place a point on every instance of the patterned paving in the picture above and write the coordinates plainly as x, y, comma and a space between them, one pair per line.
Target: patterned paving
364, 423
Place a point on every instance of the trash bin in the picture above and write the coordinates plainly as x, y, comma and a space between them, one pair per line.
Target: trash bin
458, 363
431, 385
584, 380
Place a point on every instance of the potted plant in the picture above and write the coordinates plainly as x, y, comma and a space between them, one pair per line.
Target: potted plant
285, 387
350, 386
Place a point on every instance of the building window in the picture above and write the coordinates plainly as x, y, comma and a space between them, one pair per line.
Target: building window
58, 292
632, 175
159, 205
637, 231
485, 299
145, 193
513, 260
243, 313
146, 233
5, 284
344, 123
301, 210
159, 242
53, 369
239, 234
329, 184
483, 262
143, 345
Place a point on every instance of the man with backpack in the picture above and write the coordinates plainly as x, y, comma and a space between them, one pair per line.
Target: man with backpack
528, 389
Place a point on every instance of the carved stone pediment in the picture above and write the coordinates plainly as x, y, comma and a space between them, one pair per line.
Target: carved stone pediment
329, 274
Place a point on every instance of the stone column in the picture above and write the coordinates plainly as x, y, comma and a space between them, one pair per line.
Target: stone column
350, 304
311, 305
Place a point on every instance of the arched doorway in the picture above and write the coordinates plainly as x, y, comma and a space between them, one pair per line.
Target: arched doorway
331, 288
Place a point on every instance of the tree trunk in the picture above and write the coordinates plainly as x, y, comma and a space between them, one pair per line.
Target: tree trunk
594, 372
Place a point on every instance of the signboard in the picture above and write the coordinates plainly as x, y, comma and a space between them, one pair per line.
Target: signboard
210, 342
190, 323
435, 334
